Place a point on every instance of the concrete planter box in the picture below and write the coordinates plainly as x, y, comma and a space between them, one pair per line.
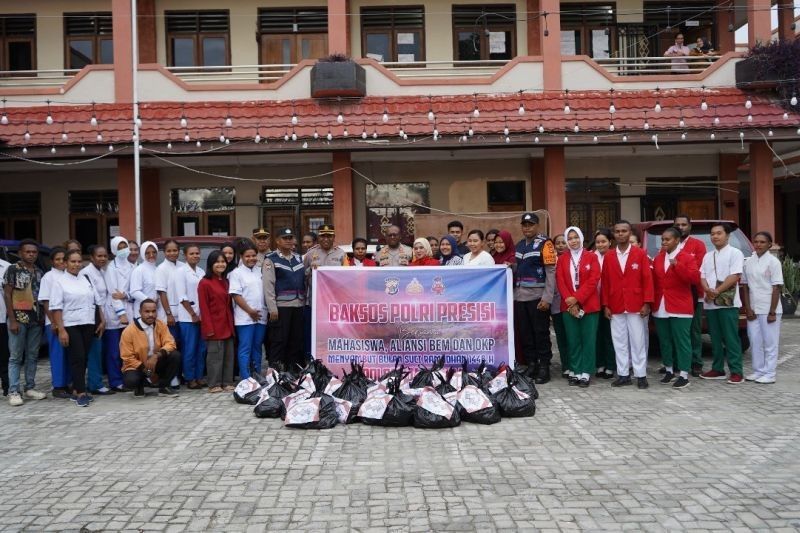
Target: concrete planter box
338, 79
751, 75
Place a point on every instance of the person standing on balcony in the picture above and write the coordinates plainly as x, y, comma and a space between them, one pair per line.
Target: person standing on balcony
626, 295
761, 284
719, 276
534, 289
697, 250
678, 52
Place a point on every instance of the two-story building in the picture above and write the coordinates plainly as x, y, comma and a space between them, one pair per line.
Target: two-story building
467, 108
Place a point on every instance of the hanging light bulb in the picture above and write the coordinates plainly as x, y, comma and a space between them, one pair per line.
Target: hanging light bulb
329, 136
49, 119
748, 104
286, 137
683, 136
198, 143
385, 117
374, 134
134, 137
186, 138
110, 147
227, 141
169, 146
364, 134
741, 135
508, 140
681, 124
27, 136
316, 135
93, 122
99, 137
713, 136
536, 140
770, 133
4, 120
257, 138
401, 133
53, 150
793, 101
704, 105
594, 139
228, 122
431, 115
566, 108
566, 139
716, 121
657, 108
83, 149
346, 133
470, 132
612, 109
294, 119
624, 138
541, 128
294, 136
24, 150
521, 110
184, 123
339, 118
436, 132
505, 131
786, 116
305, 144
475, 112
611, 127
646, 125
749, 118
64, 136
576, 129
139, 121
405, 136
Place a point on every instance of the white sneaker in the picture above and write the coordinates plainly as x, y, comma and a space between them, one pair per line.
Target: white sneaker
764, 380
752, 377
14, 399
34, 394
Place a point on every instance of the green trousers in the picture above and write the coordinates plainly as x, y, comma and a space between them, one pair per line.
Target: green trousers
673, 338
723, 326
696, 334
561, 341
606, 357
582, 335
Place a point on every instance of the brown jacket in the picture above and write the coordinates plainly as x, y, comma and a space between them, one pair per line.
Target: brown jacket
133, 346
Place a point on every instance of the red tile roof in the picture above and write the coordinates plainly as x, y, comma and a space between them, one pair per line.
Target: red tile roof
453, 116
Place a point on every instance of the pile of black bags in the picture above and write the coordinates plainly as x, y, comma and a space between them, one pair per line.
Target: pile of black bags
313, 398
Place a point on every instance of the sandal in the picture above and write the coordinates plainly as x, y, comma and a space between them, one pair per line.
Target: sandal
229, 388
215, 389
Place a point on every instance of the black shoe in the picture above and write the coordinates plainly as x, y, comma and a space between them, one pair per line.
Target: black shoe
61, 394
121, 388
543, 376
565, 374
532, 371
102, 392
600, 373
642, 383
697, 370
139, 392
608, 374
583, 383
668, 376
169, 392
573, 381
662, 370
621, 381
680, 383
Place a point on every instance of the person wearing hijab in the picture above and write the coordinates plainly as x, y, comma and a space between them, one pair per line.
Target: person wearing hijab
448, 252
423, 254
534, 286
577, 277
606, 356
143, 278
504, 250
491, 237
119, 310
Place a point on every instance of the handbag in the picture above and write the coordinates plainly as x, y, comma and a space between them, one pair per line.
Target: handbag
726, 297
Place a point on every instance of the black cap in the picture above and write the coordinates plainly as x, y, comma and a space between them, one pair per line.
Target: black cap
325, 229
530, 218
286, 232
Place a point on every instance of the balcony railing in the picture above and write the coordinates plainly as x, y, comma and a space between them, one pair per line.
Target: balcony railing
232, 74
36, 78
445, 69
642, 66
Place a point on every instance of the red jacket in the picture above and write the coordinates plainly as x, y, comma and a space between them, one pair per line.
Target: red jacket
588, 279
367, 262
696, 249
216, 312
675, 285
425, 262
627, 291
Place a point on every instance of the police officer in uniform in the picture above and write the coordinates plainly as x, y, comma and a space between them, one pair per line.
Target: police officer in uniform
285, 295
534, 285
324, 253
261, 240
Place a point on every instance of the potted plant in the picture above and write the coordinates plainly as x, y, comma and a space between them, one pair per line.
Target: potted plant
338, 76
772, 66
791, 286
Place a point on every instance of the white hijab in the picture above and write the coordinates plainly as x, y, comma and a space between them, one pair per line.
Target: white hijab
119, 262
145, 245
576, 254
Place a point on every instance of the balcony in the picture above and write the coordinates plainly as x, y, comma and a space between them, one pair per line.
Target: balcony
36, 78
244, 74
643, 66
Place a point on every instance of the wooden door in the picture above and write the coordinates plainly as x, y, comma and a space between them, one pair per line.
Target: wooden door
311, 46
277, 49
698, 209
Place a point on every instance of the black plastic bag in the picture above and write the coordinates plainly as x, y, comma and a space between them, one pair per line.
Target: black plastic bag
513, 402
387, 409
282, 388
434, 411
353, 391
318, 411
476, 406
268, 407
247, 391
523, 382
444, 386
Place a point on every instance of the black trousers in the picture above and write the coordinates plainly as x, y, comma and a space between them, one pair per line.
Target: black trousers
80, 342
286, 343
4, 355
533, 326
166, 368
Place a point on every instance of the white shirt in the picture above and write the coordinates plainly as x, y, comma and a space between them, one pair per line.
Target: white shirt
483, 259
3, 314
118, 276
247, 283
149, 332
143, 285
165, 284
622, 257
729, 260
75, 298
99, 280
760, 275
662, 312
186, 280
46, 286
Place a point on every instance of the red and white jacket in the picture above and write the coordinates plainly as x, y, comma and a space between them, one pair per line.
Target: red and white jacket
675, 283
628, 291
588, 278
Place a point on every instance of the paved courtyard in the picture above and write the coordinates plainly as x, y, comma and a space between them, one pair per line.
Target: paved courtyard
713, 456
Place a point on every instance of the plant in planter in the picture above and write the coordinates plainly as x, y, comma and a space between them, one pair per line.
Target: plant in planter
338, 76
774, 66
791, 286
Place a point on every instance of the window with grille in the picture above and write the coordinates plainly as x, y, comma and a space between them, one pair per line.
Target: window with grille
589, 29
484, 32
88, 39
203, 211
289, 35
393, 33
17, 42
198, 38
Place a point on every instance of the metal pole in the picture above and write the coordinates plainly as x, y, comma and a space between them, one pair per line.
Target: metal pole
137, 185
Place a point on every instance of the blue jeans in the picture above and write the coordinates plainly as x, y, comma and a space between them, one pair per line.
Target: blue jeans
111, 339
94, 365
23, 345
59, 365
251, 338
193, 350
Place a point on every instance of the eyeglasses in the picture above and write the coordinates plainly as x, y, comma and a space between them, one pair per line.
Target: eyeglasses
392, 234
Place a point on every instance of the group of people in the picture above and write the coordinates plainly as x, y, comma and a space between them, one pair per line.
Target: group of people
146, 324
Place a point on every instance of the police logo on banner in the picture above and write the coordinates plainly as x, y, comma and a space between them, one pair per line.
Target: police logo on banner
391, 286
